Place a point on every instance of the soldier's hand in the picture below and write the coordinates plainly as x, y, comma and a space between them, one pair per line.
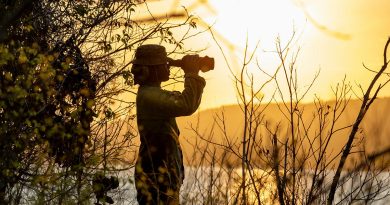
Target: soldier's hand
191, 64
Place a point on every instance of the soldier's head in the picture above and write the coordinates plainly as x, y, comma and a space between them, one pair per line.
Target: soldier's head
150, 64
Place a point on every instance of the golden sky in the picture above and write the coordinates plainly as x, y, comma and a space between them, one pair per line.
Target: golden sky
334, 36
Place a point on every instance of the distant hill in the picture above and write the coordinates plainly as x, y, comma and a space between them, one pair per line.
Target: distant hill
375, 127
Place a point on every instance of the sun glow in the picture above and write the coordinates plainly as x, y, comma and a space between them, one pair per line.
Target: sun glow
252, 22
259, 20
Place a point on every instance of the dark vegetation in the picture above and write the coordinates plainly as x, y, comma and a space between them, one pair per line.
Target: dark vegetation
63, 66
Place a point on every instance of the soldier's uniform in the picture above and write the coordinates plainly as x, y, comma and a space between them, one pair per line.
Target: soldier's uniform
159, 170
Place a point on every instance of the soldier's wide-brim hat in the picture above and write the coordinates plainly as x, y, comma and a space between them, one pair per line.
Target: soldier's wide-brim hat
150, 54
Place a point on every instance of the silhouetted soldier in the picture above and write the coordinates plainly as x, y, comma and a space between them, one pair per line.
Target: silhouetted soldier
159, 170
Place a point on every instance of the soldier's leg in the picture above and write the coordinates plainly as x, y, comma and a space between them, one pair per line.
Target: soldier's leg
169, 186
145, 184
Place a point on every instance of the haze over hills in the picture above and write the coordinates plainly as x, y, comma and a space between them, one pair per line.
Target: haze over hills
375, 128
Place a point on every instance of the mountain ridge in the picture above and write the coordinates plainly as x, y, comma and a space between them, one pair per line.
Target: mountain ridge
375, 126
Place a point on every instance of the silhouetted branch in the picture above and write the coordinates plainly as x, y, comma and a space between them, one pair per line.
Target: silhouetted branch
364, 107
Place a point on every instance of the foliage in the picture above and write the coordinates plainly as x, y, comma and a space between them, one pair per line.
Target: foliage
63, 64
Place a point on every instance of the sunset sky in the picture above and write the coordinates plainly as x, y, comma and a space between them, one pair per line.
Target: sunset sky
334, 36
